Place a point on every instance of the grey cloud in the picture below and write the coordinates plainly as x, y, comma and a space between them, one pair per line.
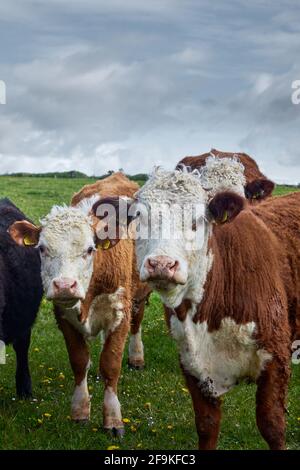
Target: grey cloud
97, 85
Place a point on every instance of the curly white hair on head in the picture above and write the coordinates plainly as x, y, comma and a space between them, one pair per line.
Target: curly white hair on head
181, 185
223, 174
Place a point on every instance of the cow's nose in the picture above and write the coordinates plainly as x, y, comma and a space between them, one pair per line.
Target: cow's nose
64, 287
161, 267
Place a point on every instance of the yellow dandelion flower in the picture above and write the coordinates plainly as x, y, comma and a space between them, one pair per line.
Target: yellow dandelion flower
147, 405
113, 447
36, 349
68, 417
170, 426
133, 428
47, 415
126, 420
185, 390
139, 444
46, 381
154, 431
95, 429
40, 421
61, 376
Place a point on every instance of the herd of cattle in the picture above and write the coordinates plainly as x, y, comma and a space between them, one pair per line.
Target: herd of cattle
232, 304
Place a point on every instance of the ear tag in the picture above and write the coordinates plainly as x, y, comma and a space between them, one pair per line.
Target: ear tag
28, 241
105, 245
225, 217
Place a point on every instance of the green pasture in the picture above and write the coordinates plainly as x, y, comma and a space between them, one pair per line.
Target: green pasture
155, 402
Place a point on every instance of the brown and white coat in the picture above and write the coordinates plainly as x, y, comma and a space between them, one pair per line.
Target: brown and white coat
93, 289
233, 302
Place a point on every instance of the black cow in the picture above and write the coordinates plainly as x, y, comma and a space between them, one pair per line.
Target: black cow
20, 294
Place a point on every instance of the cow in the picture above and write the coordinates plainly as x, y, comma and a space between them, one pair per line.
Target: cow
231, 293
93, 289
256, 186
114, 185
20, 295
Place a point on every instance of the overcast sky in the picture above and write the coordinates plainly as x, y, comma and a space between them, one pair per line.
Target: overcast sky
95, 85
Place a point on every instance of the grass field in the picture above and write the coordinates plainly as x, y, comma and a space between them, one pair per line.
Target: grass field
155, 401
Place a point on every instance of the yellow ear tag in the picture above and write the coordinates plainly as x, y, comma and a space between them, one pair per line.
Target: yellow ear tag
106, 245
28, 241
225, 217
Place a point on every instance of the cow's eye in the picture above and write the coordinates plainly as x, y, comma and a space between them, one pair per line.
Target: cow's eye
42, 249
90, 250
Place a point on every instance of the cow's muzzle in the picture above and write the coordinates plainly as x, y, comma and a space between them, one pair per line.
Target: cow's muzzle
162, 268
65, 290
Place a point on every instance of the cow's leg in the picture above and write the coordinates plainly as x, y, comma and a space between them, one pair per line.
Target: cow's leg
270, 404
110, 368
23, 379
207, 415
136, 347
80, 361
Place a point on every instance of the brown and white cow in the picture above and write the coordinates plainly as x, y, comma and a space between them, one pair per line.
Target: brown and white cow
93, 290
231, 296
256, 186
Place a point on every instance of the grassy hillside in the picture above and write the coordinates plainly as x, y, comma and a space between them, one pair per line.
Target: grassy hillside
155, 401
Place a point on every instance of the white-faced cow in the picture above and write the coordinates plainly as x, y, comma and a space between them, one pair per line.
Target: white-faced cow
231, 296
93, 289
20, 295
255, 186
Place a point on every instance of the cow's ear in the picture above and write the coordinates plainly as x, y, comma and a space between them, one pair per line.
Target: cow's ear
25, 233
259, 189
225, 206
112, 221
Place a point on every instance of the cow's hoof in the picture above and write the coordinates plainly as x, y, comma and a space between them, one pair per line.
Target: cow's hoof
83, 421
81, 413
24, 390
24, 395
136, 365
117, 433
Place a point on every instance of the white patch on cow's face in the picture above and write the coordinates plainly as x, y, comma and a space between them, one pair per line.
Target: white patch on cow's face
67, 247
170, 193
221, 358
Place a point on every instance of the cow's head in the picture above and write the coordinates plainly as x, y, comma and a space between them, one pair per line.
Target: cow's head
67, 241
174, 220
259, 189
228, 174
